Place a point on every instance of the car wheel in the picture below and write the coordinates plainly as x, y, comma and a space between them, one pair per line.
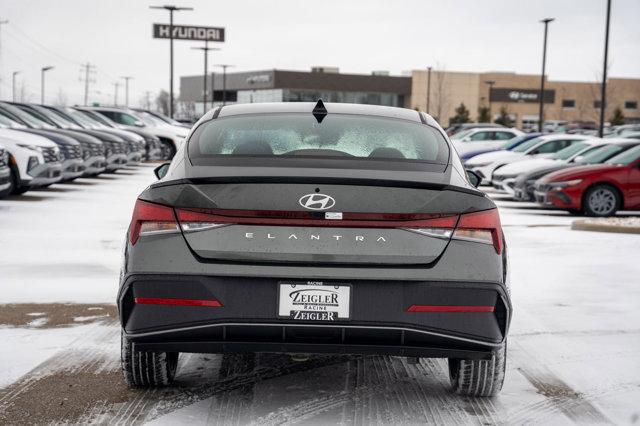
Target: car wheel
147, 369
478, 377
601, 200
16, 188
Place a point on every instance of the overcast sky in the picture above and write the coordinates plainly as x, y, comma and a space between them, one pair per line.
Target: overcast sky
356, 35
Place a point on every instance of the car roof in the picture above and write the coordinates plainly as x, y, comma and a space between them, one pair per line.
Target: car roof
332, 108
621, 140
484, 129
555, 136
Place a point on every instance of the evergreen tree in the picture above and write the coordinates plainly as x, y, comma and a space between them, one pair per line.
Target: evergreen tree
504, 118
483, 115
618, 117
462, 115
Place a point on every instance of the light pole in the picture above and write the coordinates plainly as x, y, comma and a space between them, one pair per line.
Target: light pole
13, 85
126, 89
428, 87
171, 9
224, 82
42, 71
206, 49
490, 83
603, 94
115, 93
544, 64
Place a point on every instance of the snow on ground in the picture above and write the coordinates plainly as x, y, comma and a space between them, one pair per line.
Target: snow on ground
574, 347
69, 238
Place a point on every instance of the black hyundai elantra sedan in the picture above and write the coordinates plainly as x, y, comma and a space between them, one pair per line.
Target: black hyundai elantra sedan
309, 228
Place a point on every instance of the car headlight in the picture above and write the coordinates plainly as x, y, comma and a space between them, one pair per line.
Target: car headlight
31, 147
560, 185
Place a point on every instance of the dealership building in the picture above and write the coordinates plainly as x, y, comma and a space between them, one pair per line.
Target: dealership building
519, 96
323, 83
516, 94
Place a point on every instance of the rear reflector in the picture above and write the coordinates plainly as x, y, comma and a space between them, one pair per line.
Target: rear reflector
481, 227
449, 308
177, 302
149, 219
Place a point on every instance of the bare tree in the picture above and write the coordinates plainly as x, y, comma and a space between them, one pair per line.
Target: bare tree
439, 92
61, 98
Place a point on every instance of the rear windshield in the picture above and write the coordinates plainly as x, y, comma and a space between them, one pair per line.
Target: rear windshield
338, 136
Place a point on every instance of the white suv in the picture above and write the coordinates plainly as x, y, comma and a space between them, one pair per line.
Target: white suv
482, 138
170, 136
36, 160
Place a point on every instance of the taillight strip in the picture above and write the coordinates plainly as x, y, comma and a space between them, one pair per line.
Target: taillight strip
450, 308
212, 303
382, 220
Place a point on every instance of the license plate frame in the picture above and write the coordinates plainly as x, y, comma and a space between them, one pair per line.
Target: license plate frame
316, 298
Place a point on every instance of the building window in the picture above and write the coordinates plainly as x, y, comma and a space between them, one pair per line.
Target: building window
568, 103
597, 104
630, 105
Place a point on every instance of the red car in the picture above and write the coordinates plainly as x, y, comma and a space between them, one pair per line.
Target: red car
595, 190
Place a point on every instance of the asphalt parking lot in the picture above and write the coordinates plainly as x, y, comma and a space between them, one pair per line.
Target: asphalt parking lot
574, 345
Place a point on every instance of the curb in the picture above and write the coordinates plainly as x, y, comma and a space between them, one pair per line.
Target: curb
585, 225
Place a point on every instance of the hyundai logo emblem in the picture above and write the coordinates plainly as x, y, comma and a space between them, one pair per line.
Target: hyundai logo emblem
317, 201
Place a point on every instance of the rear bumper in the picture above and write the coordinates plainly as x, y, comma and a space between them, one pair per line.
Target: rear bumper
379, 322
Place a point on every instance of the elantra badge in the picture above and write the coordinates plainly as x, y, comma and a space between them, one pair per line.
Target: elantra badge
317, 201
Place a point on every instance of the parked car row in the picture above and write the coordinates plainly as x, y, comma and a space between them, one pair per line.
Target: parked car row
41, 144
578, 173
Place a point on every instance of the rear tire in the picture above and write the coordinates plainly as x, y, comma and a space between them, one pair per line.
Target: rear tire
147, 369
601, 200
478, 377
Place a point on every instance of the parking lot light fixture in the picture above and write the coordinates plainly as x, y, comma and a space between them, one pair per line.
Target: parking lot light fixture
603, 88
13, 85
42, 71
224, 82
171, 9
544, 63
205, 49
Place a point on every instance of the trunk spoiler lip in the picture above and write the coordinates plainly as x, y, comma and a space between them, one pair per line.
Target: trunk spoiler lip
317, 180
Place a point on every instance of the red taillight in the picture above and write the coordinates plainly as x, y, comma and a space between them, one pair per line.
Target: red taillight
211, 303
483, 227
450, 308
220, 217
149, 218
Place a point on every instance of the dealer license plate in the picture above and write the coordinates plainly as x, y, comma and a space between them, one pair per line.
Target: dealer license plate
314, 301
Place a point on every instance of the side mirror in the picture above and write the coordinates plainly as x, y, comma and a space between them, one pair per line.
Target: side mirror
474, 178
161, 170
138, 123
